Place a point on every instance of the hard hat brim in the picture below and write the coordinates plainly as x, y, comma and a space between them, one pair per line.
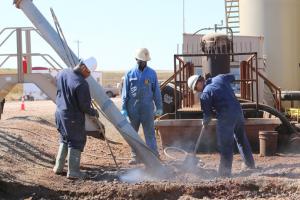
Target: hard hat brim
145, 60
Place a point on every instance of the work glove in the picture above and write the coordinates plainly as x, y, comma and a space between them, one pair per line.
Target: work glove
158, 112
124, 113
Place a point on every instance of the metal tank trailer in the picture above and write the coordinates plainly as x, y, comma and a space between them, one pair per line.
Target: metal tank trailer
181, 128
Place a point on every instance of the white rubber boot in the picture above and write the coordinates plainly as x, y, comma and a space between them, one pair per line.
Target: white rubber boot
60, 158
74, 164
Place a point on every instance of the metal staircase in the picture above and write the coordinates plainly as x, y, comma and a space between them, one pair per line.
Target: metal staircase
232, 15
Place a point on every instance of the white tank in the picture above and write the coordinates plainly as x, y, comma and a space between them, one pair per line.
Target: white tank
278, 21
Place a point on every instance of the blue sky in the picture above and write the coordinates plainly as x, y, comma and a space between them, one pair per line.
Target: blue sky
111, 30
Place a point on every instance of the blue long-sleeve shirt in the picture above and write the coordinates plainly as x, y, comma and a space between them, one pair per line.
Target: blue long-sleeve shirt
218, 95
73, 94
141, 86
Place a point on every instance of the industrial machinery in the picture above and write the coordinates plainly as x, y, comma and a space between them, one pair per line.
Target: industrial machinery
212, 58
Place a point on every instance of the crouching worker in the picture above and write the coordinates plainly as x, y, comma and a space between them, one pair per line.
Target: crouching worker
73, 101
217, 94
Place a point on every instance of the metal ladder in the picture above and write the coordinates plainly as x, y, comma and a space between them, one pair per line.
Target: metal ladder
232, 15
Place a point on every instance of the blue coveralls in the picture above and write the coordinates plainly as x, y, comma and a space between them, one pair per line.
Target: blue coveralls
219, 95
73, 100
140, 89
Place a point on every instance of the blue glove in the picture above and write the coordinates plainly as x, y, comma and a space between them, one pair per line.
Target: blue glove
158, 112
124, 113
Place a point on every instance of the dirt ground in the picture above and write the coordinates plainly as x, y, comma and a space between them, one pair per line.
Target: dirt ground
29, 142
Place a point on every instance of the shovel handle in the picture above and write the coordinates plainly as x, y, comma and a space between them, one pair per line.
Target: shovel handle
199, 139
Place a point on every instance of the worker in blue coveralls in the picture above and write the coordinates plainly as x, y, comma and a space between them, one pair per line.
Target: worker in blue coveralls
140, 90
216, 94
73, 101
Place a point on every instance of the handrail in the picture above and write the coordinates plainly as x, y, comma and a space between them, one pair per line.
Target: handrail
270, 84
48, 58
250, 58
184, 97
44, 56
23, 28
7, 37
13, 30
249, 79
165, 83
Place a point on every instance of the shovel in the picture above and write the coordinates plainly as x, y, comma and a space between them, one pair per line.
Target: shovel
191, 159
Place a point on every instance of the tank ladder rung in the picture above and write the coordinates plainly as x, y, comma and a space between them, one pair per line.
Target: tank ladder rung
232, 15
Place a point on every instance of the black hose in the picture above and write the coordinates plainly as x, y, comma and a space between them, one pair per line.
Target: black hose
273, 111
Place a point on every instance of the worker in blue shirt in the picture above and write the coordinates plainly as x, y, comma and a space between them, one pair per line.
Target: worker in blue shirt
216, 94
73, 101
140, 90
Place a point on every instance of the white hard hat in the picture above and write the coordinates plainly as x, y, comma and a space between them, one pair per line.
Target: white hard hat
90, 63
192, 81
142, 54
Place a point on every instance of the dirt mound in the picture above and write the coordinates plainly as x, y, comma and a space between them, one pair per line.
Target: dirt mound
28, 145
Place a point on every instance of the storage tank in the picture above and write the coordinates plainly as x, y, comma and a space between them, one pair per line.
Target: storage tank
278, 22
218, 45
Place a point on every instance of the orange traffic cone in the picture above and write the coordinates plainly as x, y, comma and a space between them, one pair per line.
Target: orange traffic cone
22, 104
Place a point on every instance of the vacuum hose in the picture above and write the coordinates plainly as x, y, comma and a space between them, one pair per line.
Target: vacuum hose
285, 122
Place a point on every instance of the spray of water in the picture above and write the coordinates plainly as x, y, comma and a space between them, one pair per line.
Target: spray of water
138, 175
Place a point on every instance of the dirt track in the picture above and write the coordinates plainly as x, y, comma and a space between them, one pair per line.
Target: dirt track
28, 144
